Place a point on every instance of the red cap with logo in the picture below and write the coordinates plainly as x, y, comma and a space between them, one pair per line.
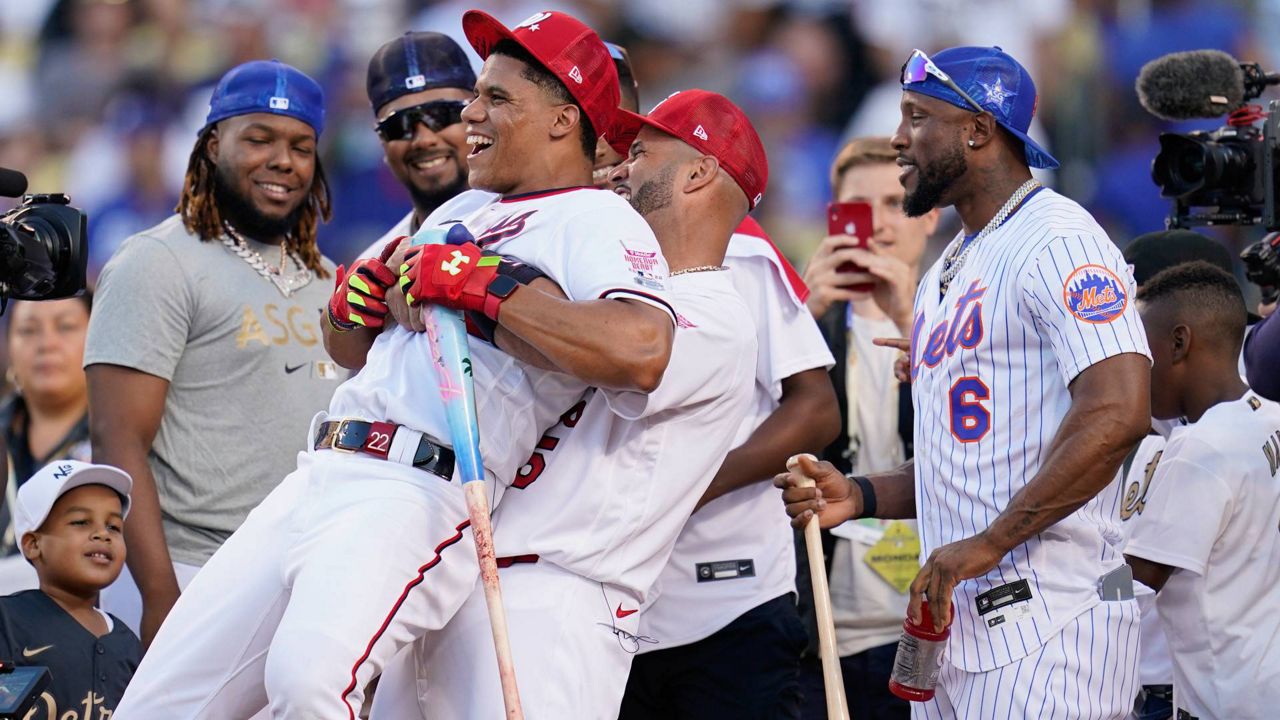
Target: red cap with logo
567, 48
711, 124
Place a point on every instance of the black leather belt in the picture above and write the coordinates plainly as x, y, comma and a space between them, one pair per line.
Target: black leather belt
374, 438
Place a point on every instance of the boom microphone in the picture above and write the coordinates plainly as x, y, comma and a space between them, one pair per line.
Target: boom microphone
12, 183
1194, 84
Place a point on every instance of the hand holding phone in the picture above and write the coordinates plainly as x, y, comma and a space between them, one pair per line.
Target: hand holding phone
852, 219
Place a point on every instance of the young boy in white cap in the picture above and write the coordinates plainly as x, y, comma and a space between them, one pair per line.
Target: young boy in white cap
68, 518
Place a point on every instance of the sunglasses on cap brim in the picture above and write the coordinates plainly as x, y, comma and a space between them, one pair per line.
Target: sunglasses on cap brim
918, 67
436, 115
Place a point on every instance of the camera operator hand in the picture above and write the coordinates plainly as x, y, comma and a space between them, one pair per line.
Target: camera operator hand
826, 283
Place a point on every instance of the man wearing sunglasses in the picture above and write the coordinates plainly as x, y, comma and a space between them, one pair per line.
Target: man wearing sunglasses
1030, 374
418, 85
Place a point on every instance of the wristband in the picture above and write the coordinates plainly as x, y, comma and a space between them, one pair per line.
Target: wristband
336, 324
868, 495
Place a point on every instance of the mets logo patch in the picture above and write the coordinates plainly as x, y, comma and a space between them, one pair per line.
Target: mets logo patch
1094, 294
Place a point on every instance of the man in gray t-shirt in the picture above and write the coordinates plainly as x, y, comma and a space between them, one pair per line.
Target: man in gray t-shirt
204, 357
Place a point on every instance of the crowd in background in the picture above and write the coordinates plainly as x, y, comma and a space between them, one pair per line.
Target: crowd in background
103, 97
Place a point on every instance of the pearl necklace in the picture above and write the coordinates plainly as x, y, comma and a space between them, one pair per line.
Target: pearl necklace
288, 283
698, 268
959, 250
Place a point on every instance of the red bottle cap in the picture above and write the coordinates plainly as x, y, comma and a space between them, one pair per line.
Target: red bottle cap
924, 630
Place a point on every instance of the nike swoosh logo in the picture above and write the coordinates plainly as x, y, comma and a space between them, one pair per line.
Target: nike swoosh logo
29, 653
290, 370
623, 613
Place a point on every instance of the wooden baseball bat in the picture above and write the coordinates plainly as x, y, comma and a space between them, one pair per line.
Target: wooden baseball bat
832, 678
447, 335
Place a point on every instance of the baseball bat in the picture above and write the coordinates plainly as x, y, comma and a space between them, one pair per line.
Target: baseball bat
832, 678
447, 334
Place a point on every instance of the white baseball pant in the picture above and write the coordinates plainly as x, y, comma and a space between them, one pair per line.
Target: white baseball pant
572, 653
344, 563
1088, 672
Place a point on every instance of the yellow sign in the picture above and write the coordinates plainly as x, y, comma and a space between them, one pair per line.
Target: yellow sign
896, 557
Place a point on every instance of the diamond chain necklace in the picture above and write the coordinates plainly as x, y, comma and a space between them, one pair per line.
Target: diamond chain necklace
286, 283
959, 250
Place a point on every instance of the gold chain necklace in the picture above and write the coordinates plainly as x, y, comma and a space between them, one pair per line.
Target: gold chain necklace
697, 268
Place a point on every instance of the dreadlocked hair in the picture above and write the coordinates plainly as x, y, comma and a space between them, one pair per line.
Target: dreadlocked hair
199, 208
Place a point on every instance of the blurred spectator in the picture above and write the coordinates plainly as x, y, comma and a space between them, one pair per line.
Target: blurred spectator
143, 197
83, 56
47, 414
868, 598
70, 519
1204, 531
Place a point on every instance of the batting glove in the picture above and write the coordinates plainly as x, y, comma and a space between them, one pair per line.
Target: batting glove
360, 295
454, 276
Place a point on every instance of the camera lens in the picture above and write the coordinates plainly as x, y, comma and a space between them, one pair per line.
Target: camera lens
1188, 165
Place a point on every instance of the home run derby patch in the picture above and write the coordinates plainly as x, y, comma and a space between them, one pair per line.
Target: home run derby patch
1094, 294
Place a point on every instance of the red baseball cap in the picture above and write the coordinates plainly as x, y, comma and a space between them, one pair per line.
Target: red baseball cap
567, 48
711, 124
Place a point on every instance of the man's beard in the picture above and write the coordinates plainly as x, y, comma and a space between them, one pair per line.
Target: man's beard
654, 194
239, 210
428, 200
932, 183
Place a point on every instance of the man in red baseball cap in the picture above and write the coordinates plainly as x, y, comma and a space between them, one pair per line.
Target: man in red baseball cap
725, 630
573, 68
584, 532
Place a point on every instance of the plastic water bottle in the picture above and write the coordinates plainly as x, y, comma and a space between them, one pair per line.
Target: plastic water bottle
919, 658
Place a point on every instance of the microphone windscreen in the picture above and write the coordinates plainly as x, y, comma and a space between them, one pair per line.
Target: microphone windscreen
1194, 84
12, 183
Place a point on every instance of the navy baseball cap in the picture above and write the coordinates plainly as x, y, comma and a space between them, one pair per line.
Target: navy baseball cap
991, 79
1160, 250
414, 62
267, 86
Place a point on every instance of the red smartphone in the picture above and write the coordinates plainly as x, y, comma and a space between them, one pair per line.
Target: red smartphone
852, 219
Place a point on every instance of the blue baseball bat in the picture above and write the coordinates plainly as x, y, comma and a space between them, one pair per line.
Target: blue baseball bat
447, 335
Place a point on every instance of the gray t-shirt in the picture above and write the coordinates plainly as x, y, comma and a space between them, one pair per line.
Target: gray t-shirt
246, 366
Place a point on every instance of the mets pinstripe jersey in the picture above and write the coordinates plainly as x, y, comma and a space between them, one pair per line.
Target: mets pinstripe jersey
1038, 301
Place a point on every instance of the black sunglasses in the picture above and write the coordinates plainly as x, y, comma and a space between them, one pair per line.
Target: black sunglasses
436, 115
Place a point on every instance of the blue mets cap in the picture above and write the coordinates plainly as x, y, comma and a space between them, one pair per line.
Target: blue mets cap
414, 62
981, 77
267, 86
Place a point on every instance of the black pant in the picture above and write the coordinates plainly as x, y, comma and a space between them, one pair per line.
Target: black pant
866, 686
749, 669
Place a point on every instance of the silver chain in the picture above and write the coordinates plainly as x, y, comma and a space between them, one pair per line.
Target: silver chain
286, 283
958, 251
698, 268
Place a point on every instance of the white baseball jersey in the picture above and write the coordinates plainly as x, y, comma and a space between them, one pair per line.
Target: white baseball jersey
459, 206
591, 243
1154, 664
738, 551
1212, 511
1038, 301
608, 489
